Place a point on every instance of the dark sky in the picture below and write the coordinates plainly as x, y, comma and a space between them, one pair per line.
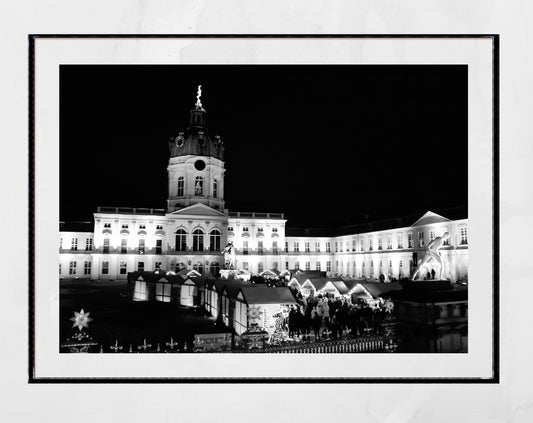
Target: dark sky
326, 145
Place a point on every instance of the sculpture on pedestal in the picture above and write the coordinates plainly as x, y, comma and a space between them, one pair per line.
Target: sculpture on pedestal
433, 253
229, 256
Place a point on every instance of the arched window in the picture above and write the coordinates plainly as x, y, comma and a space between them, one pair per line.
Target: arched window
215, 186
181, 186
214, 240
198, 240
214, 268
181, 240
199, 267
180, 266
199, 186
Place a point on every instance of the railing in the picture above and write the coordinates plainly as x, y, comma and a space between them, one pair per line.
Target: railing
355, 345
130, 210
257, 215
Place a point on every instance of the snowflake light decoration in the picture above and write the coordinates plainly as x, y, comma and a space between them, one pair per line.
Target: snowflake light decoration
81, 320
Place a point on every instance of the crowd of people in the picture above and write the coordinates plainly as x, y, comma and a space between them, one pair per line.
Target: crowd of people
328, 318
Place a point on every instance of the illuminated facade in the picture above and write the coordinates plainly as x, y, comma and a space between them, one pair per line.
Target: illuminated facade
195, 227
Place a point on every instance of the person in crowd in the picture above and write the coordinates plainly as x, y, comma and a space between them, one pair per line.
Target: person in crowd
316, 322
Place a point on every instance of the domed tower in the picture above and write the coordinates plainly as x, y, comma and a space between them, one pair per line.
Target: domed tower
196, 165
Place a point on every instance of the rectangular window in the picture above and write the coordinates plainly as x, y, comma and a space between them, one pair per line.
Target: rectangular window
142, 226
140, 266
464, 235
215, 186
400, 241
317, 246
259, 229
370, 246
158, 246
275, 247
245, 265
317, 265
245, 228
123, 268
74, 245
431, 235
390, 263
87, 268
337, 266
245, 247
328, 266
260, 268
159, 227
275, 265
389, 242
286, 265
107, 225
336, 247
181, 186
60, 243
286, 246
410, 240
106, 246
72, 268
296, 247
105, 267
328, 247
380, 243
260, 247
140, 293
125, 226
297, 265
230, 228
307, 248
157, 265
59, 268
353, 244
274, 229
89, 244
362, 244
307, 265
141, 246
124, 246
420, 239
162, 292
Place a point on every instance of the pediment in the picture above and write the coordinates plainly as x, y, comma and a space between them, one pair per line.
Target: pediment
198, 209
430, 218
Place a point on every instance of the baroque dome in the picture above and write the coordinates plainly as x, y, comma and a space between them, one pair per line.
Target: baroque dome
196, 140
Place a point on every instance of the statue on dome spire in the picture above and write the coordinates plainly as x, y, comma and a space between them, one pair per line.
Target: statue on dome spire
198, 101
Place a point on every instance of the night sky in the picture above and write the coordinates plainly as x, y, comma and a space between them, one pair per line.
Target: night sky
327, 145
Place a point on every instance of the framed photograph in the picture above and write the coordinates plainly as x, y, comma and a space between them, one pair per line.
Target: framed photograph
264, 209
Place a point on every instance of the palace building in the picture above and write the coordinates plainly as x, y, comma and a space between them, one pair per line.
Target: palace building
194, 228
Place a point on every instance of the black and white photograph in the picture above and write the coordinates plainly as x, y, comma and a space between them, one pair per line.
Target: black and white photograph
213, 215
263, 208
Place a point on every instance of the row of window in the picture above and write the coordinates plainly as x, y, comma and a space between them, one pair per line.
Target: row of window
74, 244
341, 247
198, 187
307, 246
247, 229
107, 225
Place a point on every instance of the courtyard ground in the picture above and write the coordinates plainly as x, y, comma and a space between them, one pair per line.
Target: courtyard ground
130, 322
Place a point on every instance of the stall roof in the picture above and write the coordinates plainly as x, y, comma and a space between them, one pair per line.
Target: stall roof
268, 295
154, 277
352, 283
377, 289
341, 287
